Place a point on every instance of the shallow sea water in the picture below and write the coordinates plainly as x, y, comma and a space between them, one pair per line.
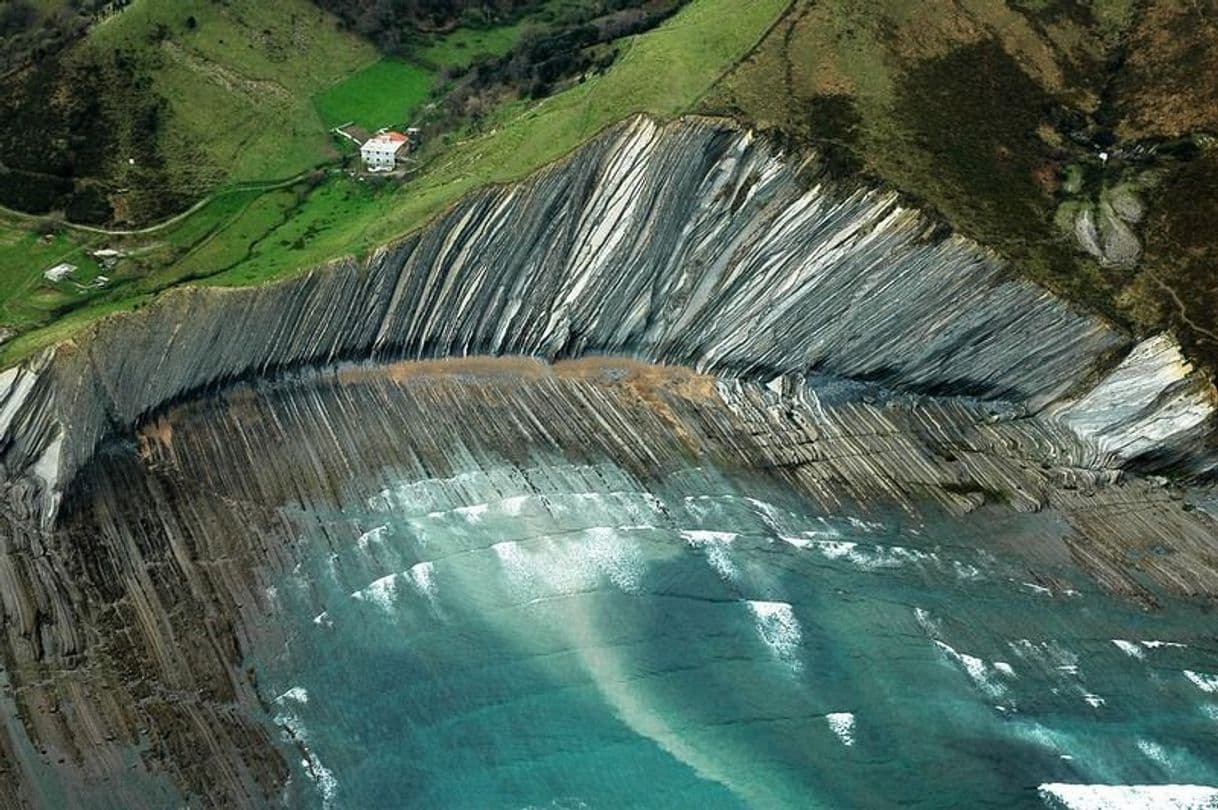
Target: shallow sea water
561, 636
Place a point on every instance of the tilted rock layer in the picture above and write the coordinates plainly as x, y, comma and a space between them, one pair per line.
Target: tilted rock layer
834, 338
692, 244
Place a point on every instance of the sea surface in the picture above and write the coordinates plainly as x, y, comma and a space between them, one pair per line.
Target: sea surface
565, 636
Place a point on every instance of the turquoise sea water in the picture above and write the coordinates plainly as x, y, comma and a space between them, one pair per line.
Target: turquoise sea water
563, 636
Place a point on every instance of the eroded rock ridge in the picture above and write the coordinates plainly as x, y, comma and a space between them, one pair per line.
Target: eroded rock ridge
693, 244
160, 469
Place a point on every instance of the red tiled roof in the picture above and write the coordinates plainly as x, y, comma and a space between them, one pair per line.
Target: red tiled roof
396, 137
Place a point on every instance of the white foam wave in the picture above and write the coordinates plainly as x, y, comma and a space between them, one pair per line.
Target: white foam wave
472, 513
515, 564
1124, 797
873, 558
835, 549
571, 564
297, 693
380, 592
616, 558
1047, 654
1093, 700
1202, 680
929, 624
700, 536
1039, 734
322, 777
295, 731
798, 542
842, 724
1154, 644
422, 576
371, 536
975, 668
514, 506
966, 570
770, 515
1129, 648
714, 546
778, 628
1154, 752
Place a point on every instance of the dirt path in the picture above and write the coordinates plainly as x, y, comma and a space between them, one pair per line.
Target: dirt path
269, 185
1183, 310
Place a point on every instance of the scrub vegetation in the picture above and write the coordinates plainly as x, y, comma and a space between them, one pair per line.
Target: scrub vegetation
1005, 118
164, 102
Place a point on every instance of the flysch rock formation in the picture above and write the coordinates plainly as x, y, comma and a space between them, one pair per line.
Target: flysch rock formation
152, 470
690, 244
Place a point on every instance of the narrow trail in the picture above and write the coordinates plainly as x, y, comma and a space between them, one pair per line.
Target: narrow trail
1180, 307
270, 185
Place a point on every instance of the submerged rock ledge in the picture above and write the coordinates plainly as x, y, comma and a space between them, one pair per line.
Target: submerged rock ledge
692, 243
129, 626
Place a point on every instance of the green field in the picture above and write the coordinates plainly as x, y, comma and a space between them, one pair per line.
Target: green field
691, 50
384, 94
461, 47
26, 298
238, 81
237, 242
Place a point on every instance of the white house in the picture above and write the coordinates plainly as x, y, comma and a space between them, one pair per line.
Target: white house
59, 272
380, 152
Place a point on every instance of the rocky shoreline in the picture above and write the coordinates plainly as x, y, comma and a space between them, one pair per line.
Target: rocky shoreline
151, 471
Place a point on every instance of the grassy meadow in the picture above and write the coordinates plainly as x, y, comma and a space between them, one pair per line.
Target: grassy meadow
386, 93
691, 50
239, 80
25, 296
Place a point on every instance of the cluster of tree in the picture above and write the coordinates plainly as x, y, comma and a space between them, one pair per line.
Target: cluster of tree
547, 59
31, 31
79, 130
392, 24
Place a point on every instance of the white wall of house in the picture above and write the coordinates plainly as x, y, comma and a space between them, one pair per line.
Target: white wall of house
380, 154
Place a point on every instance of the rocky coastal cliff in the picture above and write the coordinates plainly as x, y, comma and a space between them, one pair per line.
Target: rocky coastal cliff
690, 244
833, 338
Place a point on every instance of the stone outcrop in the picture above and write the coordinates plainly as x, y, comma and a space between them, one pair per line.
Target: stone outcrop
153, 471
1152, 404
692, 244
127, 625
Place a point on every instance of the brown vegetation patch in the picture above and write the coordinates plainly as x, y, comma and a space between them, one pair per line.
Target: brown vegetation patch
1166, 86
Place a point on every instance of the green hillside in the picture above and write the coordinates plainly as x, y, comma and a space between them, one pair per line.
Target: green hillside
238, 80
163, 102
250, 237
993, 117
997, 113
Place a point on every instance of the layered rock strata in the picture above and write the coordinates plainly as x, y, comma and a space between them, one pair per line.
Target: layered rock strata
834, 340
126, 627
690, 244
